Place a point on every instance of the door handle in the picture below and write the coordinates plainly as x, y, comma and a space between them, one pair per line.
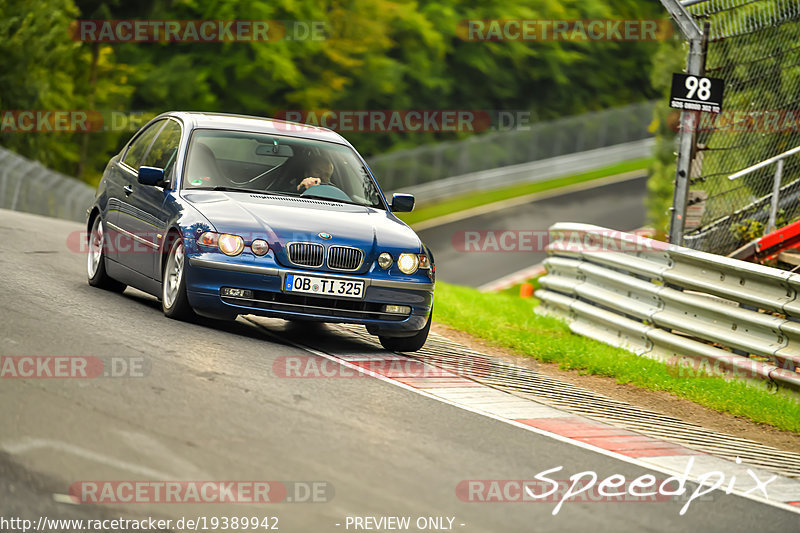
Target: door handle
128, 190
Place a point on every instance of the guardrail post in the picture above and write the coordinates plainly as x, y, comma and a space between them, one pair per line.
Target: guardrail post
776, 191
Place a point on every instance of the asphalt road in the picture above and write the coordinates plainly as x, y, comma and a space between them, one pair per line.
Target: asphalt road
210, 407
465, 258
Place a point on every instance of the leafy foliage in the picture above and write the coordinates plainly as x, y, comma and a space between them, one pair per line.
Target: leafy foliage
377, 54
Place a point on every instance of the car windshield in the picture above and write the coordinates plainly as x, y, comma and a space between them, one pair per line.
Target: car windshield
255, 162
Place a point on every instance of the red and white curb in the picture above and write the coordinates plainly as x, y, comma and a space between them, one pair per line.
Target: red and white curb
622, 444
630, 446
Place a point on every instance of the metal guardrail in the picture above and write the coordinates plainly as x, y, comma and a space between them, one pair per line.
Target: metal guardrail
403, 169
778, 161
675, 304
532, 172
29, 186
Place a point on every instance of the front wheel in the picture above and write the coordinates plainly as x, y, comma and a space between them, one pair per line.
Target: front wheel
174, 301
96, 260
408, 344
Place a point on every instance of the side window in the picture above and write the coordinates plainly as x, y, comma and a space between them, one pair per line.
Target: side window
139, 146
165, 148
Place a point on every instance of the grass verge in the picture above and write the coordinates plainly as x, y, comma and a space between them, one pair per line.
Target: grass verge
510, 322
475, 199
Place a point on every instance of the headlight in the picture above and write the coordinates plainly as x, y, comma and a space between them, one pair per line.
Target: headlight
423, 261
385, 260
230, 244
408, 263
227, 244
259, 247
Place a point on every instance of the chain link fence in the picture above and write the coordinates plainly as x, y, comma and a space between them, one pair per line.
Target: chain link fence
542, 140
29, 186
754, 45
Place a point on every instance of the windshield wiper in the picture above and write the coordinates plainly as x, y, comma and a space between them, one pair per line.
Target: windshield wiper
329, 199
241, 189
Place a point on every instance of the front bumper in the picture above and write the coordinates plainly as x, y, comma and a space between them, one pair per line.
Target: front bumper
205, 277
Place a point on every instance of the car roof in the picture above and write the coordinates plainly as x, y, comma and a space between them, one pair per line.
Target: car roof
251, 124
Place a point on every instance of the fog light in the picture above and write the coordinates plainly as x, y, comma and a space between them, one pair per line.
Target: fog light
237, 293
259, 247
397, 309
385, 260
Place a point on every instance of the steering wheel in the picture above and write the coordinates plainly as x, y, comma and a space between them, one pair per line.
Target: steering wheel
327, 190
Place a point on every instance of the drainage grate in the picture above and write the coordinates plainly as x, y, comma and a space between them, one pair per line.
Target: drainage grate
530, 384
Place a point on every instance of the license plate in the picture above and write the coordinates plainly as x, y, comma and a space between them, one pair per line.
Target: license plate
324, 286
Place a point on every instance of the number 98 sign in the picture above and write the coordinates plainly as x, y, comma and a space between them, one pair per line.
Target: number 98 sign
696, 93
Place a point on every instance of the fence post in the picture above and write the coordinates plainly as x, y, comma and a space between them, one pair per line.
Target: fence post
694, 66
776, 191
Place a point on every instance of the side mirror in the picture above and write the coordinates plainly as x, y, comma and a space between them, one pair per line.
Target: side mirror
151, 175
402, 203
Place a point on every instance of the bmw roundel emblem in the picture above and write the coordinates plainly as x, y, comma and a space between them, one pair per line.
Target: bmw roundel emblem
324, 235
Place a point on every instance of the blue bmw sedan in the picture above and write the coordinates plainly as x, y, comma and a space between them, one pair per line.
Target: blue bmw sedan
221, 215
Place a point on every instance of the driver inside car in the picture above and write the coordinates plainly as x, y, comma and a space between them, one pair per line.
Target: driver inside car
320, 170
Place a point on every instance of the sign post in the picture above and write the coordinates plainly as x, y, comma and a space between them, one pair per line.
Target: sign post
694, 67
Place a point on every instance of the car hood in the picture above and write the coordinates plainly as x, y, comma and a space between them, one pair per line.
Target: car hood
284, 219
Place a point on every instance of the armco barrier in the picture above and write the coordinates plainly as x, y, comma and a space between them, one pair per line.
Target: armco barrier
531, 172
675, 304
29, 186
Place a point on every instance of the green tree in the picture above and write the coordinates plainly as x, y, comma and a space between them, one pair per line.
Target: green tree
378, 54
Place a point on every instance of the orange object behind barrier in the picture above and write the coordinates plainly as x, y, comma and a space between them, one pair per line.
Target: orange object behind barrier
525, 290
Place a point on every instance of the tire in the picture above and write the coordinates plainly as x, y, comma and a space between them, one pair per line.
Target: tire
408, 344
96, 259
174, 301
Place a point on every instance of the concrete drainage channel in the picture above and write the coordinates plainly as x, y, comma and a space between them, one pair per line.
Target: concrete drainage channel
499, 374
